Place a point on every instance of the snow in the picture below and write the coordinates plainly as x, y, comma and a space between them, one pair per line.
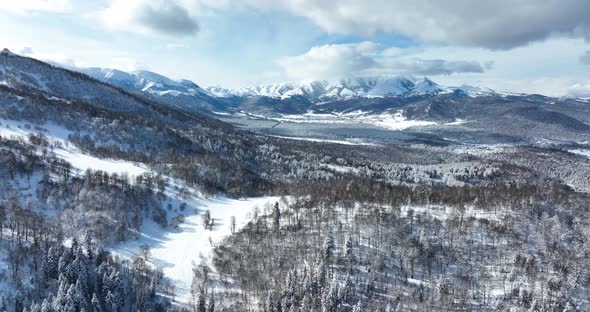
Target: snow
395, 121
370, 87
399, 122
173, 250
83, 162
341, 169
58, 135
583, 152
343, 142
395, 86
177, 251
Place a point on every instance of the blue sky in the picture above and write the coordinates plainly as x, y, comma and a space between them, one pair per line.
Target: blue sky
507, 45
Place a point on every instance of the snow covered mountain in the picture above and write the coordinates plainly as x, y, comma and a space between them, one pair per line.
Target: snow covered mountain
183, 94
370, 87
187, 95
145, 81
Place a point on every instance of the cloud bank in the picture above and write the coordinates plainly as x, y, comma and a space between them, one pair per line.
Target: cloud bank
500, 24
364, 59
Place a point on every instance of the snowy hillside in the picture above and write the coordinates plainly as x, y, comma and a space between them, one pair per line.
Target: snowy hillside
145, 81
174, 249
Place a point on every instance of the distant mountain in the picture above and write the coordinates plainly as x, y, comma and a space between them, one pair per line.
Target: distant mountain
369, 87
183, 94
283, 98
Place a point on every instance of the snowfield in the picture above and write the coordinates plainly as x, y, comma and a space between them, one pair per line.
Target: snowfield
583, 152
82, 162
390, 120
177, 251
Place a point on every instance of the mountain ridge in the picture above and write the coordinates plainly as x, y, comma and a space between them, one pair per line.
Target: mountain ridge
347, 88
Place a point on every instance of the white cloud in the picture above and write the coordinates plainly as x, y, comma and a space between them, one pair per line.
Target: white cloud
579, 90
176, 46
365, 59
499, 24
58, 6
143, 16
26, 51
329, 61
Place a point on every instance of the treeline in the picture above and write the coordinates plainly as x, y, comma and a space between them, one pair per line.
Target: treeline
350, 190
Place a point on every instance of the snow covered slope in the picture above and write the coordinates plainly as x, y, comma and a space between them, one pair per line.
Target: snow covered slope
177, 252
172, 250
183, 94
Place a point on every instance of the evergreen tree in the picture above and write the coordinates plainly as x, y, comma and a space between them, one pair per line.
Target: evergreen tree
348, 250
201, 306
276, 217
269, 304
307, 303
95, 304
331, 300
211, 304
329, 248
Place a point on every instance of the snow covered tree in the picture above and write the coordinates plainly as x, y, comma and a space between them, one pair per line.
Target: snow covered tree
348, 250
331, 300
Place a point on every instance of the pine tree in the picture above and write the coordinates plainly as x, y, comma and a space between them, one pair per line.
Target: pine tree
95, 303
269, 305
211, 305
320, 278
49, 265
201, 306
276, 218
307, 304
331, 300
348, 251
329, 248
111, 302
346, 291
45, 306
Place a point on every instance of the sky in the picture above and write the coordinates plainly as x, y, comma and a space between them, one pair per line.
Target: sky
532, 46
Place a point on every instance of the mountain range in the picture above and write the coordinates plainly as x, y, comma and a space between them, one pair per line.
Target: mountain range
368, 87
285, 97
362, 108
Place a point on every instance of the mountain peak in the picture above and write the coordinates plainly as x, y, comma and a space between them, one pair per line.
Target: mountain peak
346, 88
5, 51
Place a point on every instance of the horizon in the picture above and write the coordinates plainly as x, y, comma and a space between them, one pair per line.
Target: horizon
519, 48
